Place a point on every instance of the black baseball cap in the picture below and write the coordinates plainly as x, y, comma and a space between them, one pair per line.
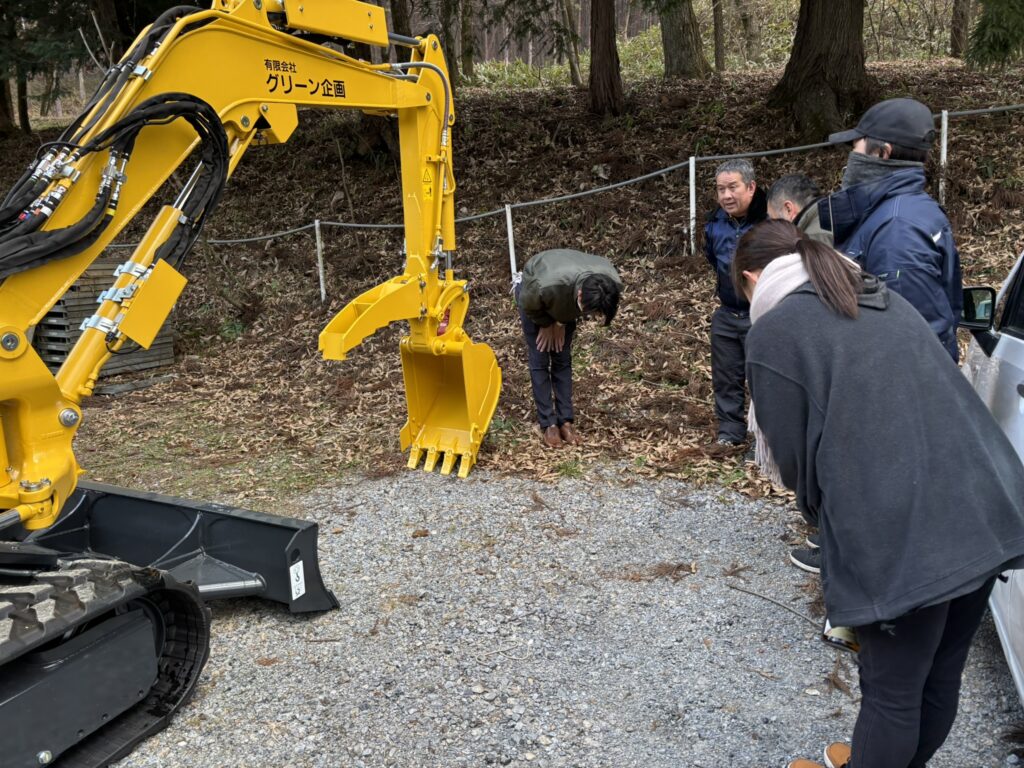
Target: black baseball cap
902, 122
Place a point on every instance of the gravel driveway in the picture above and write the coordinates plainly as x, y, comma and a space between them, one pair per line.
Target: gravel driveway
500, 621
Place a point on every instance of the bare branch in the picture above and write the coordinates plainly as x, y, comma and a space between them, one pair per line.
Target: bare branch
89, 50
108, 51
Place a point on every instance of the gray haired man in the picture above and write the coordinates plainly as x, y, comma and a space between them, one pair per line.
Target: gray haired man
741, 205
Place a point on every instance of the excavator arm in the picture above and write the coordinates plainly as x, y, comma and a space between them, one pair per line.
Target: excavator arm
201, 87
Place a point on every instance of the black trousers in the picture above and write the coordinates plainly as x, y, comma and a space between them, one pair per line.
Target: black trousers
910, 672
728, 372
550, 374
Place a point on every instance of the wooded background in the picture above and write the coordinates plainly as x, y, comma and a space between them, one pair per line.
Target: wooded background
50, 52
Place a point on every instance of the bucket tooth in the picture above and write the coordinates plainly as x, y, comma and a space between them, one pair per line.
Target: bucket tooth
415, 454
448, 463
465, 465
431, 461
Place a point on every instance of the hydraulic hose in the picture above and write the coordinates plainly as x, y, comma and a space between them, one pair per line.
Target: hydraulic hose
447, 90
25, 245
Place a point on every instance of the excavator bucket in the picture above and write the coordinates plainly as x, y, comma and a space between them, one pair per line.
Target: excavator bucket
451, 392
451, 383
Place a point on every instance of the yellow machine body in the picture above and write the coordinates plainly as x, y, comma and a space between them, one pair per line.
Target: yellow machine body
240, 59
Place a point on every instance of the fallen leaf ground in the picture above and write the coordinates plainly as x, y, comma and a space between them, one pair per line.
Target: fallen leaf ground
252, 412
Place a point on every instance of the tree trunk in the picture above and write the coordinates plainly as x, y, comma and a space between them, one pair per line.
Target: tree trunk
362, 51
719, 24
584, 30
627, 20
9, 41
960, 28
825, 81
403, 26
605, 77
468, 39
569, 19
680, 38
449, 37
751, 32
22, 90
6, 108
636, 19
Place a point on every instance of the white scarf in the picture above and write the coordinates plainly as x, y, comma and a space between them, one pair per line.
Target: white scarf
779, 279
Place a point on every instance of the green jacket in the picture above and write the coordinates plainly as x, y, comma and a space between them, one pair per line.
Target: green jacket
551, 283
807, 222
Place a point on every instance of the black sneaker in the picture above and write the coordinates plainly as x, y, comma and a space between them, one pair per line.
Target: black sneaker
806, 559
750, 457
813, 540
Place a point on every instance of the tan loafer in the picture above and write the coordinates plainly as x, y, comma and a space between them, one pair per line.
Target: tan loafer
837, 755
569, 434
552, 437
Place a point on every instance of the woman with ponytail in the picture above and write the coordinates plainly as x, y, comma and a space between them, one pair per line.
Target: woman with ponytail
918, 495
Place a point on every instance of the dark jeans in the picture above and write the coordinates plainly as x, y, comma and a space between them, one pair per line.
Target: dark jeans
728, 372
910, 671
550, 373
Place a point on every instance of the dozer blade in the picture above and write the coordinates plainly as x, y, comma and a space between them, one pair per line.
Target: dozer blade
224, 551
451, 392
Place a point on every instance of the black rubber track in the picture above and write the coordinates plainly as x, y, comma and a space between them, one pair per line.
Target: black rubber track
54, 604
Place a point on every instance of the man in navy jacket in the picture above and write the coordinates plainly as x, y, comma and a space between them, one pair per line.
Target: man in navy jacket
741, 205
883, 218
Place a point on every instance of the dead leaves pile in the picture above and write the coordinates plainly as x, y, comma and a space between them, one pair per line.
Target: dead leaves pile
253, 397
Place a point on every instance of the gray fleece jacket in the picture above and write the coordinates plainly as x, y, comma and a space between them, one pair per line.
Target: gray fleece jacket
918, 494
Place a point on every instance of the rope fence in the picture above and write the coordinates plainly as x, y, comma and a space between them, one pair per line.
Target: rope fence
690, 163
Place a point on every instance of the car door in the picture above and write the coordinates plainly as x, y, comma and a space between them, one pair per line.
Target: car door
998, 379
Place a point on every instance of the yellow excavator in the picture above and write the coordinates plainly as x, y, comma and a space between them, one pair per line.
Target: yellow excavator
103, 626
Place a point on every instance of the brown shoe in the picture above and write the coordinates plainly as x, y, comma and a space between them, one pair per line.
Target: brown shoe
837, 755
551, 437
569, 434
722, 448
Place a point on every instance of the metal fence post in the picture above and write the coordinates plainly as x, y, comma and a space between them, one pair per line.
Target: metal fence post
693, 205
942, 157
320, 261
511, 246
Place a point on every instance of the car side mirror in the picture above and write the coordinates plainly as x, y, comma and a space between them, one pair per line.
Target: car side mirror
977, 312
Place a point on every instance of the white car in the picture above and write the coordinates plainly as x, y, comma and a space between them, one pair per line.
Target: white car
995, 367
